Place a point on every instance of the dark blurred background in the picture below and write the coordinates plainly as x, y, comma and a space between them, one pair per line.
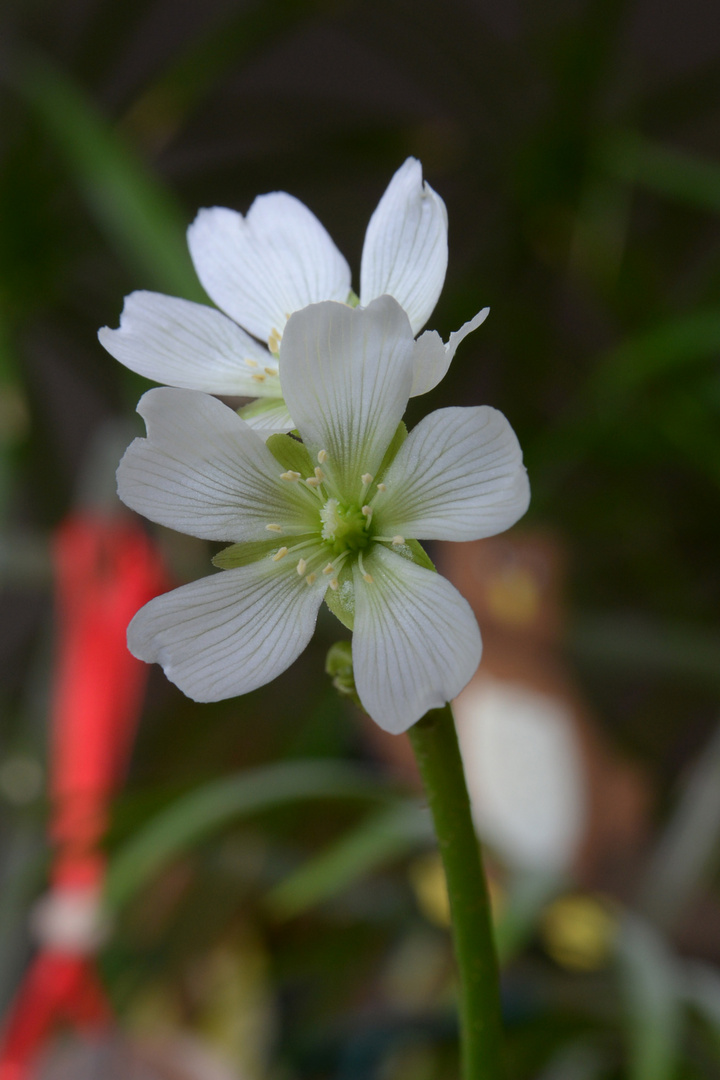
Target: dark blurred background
575, 144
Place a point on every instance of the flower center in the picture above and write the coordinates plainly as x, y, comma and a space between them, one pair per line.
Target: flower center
344, 528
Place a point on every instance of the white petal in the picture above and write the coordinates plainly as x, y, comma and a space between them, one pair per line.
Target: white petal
346, 375
189, 345
406, 252
261, 268
458, 476
203, 471
415, 643
272, 419
228, 633
432, 357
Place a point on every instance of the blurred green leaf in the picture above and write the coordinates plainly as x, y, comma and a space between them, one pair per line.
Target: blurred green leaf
688, 852
675, 343
631, 157
702, 992
651, 988
137, 214
385, 836
189, 820
527, 895
637, 644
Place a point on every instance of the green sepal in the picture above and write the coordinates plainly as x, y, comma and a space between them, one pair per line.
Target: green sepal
258, 407
341, 601
291, 454
249, 552
353, 299
401, 434
413, 551
339, 666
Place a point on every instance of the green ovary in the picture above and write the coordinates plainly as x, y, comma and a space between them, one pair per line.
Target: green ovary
344, 528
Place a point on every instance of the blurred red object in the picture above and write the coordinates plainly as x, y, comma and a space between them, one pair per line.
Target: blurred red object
105, 569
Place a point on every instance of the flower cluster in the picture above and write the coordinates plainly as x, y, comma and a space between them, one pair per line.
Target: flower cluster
277, 260
336, 514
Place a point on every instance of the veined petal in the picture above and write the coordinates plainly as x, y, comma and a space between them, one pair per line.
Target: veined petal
406, 252
203, 471
415, 641
458, 476
189, 345
268, 416
228, 633
261, 268
432, 357
346, 375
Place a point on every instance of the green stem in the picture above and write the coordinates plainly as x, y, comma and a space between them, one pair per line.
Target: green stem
435, 744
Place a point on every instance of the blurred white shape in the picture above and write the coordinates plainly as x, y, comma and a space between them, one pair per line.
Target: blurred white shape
524, 773
70, 919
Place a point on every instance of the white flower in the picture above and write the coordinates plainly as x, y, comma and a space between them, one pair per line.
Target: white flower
331, 517
275, 261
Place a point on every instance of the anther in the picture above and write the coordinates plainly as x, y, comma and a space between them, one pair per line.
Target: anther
369, 578
329, 569
381, 487
322, 456
258, 377
312, 481
250, 362
290, 475
271, 370
320, 475
367, 511
398, 540
310, 579
280, 554
301, 567
334, 584
274, 528
366, 478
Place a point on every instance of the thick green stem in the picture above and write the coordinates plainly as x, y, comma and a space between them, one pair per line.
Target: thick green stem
434, 741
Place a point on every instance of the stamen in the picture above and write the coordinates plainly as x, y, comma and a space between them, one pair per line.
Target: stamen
250, 362
398, 540
381, 487
312, 481
329, 569
310, 579
290, 475
319, 473
366, 478
258, 377
280, 554
301, 567
334, 584
274, 528
322, 456
271, 370
367, 511
274, 340
366, 577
